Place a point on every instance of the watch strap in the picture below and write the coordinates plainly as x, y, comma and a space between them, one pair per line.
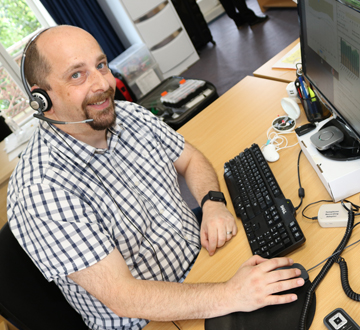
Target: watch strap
215, 196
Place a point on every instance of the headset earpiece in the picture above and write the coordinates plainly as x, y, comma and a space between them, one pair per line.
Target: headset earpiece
40, 100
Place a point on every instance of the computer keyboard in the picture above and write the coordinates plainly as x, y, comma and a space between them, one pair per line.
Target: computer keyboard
267, 216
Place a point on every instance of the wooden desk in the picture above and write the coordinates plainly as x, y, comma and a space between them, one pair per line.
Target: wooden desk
6, 325
285, 75
237, 119
6, 168
265, 4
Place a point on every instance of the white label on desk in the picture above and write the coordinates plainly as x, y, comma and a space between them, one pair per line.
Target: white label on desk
148, 81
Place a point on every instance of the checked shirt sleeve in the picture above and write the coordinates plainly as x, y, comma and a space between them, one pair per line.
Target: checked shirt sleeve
60, 231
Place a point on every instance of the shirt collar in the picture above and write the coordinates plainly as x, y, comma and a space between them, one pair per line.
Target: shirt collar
67, 144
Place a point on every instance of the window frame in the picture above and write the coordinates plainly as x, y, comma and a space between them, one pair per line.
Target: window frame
7, 61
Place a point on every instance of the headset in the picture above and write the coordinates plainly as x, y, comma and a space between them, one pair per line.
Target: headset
39, 100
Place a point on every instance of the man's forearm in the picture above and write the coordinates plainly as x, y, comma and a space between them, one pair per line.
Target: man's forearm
252, 287
166, 301
200, 175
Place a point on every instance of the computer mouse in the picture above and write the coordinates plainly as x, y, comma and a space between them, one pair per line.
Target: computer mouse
270, 153
304, 273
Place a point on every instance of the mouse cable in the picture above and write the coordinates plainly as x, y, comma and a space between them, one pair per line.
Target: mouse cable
310, 292
301, 190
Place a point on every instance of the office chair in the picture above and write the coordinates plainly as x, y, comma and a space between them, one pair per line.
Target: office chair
4, 129
27, 299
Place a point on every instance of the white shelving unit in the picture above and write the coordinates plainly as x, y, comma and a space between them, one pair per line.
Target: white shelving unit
156, 24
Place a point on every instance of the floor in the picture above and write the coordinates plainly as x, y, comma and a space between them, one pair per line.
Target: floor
239, 53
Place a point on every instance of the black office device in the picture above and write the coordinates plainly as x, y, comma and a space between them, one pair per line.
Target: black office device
267, 216
338, 319
304, 129
330, 56
273, 317
327, 137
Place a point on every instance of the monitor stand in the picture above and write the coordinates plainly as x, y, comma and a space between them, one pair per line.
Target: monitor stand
348, 149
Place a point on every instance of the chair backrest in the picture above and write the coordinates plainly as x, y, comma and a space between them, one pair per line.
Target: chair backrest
27, 299
4, 129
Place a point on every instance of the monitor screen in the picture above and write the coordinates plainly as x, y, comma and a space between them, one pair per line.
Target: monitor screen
330, 49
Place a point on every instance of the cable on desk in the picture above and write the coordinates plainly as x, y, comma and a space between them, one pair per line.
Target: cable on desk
356, 207
344, 276
175, 325
334, 254
310, 293
301, 189
321, 201
345, 280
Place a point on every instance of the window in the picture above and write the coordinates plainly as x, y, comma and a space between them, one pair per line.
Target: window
19, 21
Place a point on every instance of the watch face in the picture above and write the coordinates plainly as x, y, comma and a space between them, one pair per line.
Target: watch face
216, 195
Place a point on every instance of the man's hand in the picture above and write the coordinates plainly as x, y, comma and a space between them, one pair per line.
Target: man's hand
256, 281
218, 226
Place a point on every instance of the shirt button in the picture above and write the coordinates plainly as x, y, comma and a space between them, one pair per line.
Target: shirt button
161, 211
136, 183
186, 237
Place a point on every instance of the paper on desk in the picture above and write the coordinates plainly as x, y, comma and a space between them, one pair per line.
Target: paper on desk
290, 59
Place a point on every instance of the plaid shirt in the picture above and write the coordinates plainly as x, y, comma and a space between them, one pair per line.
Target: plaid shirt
70, 205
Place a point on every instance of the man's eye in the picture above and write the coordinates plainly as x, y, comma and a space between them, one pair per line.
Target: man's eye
76, 75
102, 65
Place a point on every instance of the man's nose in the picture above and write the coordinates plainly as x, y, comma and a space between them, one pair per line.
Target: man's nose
98, 81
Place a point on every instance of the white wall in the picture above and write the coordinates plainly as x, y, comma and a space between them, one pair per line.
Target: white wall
120, 21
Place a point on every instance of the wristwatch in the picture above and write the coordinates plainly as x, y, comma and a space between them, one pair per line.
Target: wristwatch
216, 196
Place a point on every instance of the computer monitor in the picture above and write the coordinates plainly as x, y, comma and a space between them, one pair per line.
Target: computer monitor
330, 50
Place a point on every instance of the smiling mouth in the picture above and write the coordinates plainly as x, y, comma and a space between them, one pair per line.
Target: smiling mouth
98, 103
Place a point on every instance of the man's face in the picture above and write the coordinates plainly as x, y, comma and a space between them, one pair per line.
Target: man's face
82, 86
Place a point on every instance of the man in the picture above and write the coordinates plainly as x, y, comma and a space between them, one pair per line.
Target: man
97, 206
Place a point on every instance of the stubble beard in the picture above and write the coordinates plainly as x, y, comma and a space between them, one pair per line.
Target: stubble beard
102, 119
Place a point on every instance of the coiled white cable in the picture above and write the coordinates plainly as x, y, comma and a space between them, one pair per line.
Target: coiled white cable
278, 140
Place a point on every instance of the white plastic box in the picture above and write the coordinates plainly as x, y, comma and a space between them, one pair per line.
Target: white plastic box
139, 69
340, 178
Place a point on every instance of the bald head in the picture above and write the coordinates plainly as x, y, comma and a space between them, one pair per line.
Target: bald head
54, 44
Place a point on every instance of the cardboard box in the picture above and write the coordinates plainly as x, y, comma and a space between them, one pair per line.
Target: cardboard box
340, 178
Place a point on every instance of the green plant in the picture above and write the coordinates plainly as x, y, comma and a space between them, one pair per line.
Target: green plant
16, 21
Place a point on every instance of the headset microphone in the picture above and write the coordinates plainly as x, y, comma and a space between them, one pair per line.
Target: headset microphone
52, 121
